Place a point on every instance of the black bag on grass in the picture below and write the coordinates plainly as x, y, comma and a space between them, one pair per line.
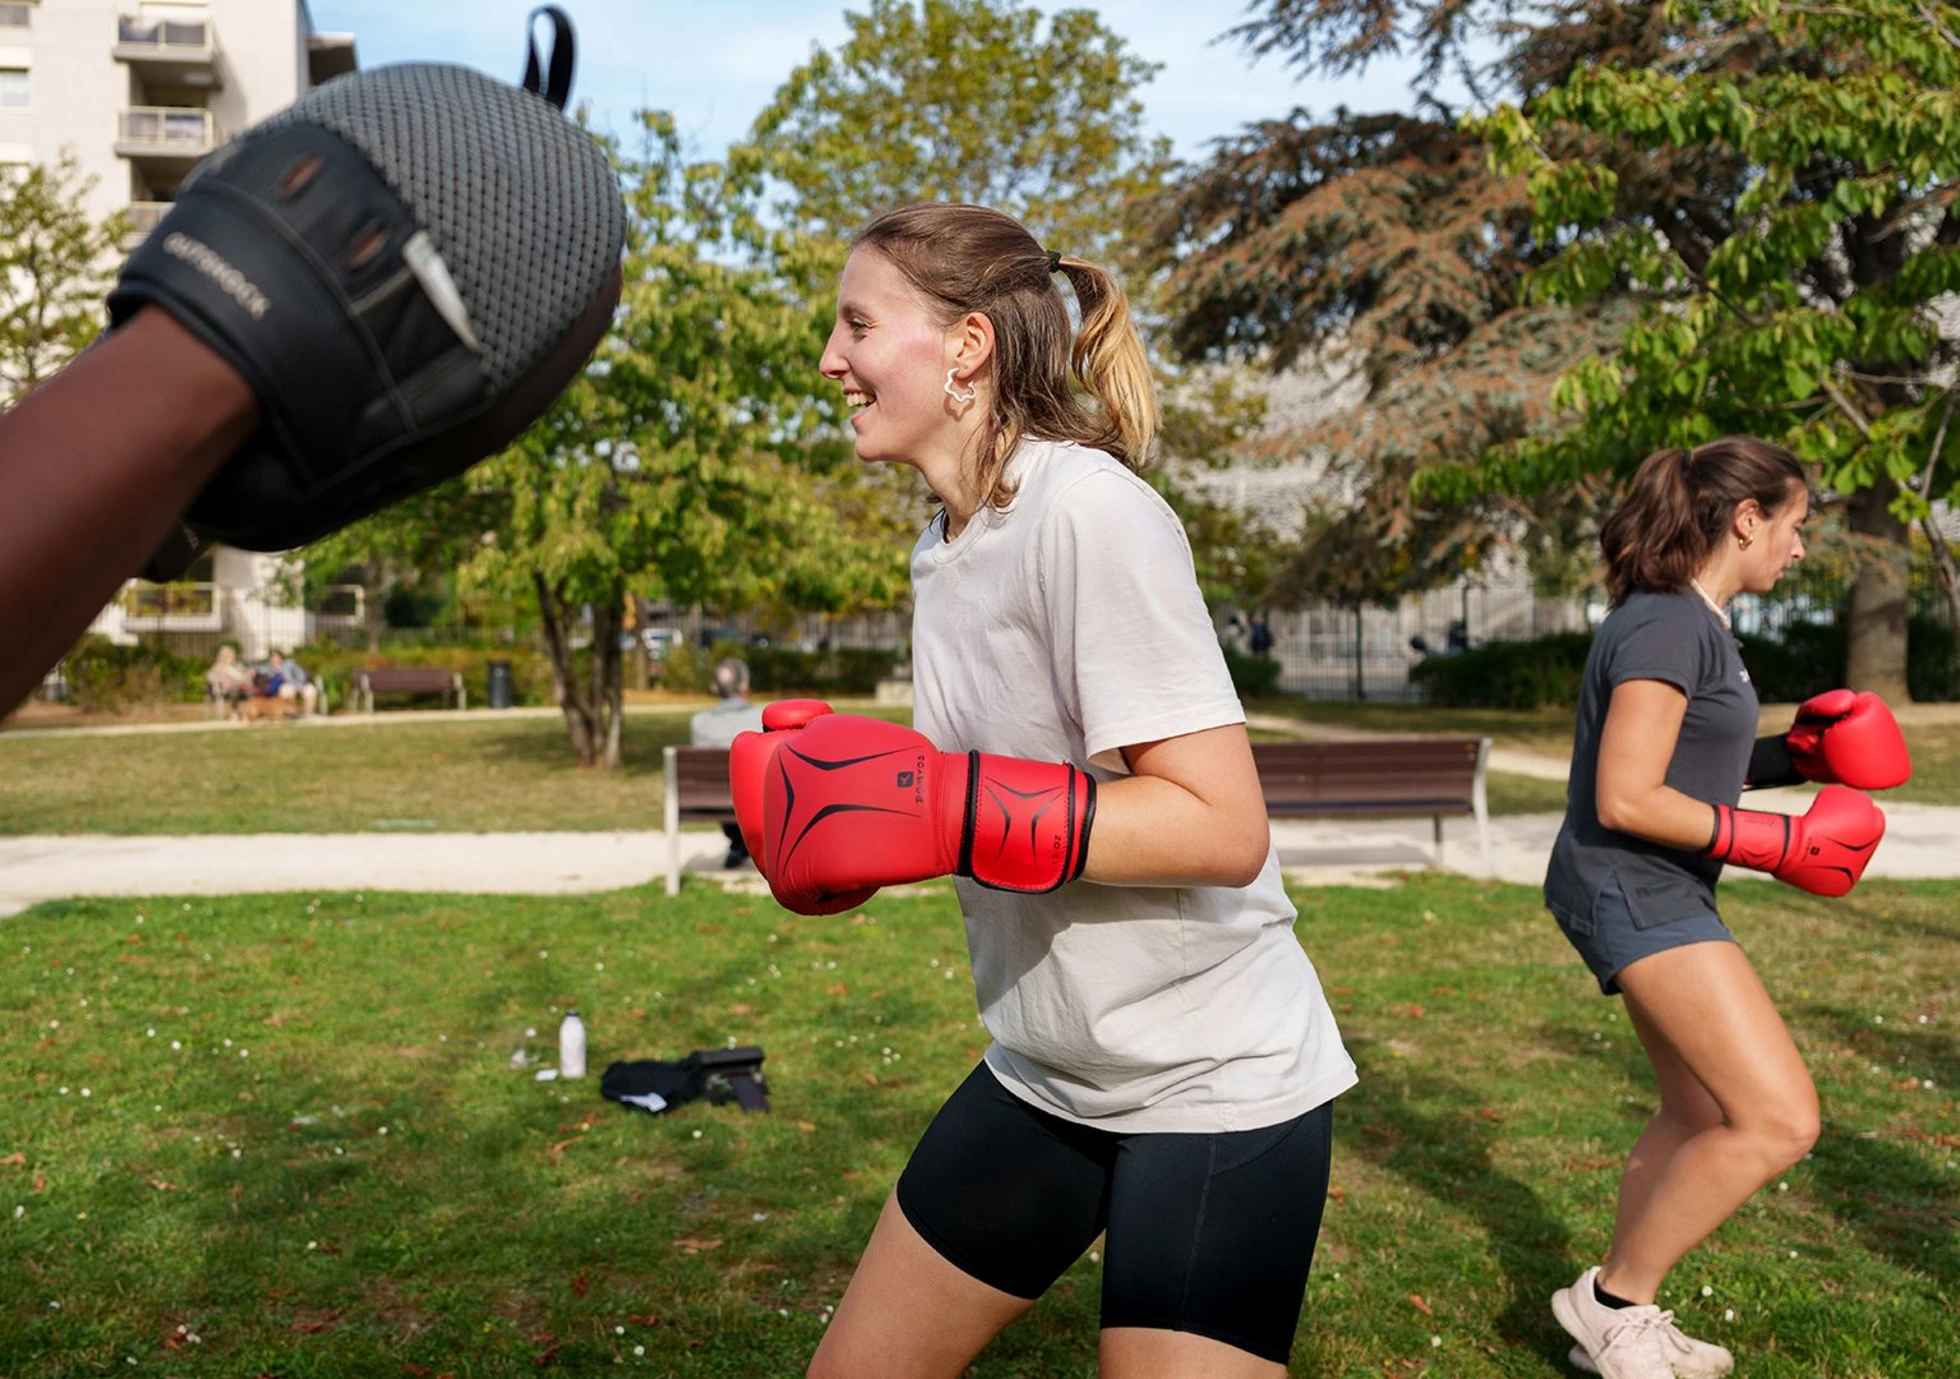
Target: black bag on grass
721, 1075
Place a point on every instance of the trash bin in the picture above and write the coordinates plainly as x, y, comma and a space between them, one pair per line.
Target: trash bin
500, 692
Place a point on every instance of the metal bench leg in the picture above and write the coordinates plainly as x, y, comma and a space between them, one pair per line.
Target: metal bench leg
1480, 806
1439, 842
671, 771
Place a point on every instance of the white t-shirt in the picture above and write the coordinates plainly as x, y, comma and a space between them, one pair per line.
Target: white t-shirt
1066, 628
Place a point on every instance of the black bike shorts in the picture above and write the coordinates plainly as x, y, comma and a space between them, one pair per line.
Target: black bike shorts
1210, 1234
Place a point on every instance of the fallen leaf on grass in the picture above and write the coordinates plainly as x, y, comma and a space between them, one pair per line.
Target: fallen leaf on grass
581, 1282
549, 1353
162, 1186
1415, 1300
1411, 1011
14, 1161
313, 1323
1489, 1114
1338, 1195
693, 1246
1592, 1165
1382, 1132
806, 1127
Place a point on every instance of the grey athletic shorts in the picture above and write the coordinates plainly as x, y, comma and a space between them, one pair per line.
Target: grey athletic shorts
1610, 938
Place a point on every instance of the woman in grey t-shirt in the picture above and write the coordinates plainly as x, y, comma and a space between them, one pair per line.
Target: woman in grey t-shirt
1665, 742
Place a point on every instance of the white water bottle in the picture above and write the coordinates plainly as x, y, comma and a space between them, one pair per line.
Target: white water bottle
571, 1046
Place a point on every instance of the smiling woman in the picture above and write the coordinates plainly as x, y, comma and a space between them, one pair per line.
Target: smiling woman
1163, 1060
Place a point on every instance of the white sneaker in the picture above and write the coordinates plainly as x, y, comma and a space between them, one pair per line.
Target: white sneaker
1691, 1359
1623, 1342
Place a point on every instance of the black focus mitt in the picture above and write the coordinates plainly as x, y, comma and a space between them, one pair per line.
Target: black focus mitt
407, 266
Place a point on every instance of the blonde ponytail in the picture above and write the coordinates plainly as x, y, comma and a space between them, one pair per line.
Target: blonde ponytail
1107, 355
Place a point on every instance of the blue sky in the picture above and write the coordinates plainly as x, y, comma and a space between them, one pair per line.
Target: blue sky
716, 64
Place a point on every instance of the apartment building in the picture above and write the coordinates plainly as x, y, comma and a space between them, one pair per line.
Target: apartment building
139, 92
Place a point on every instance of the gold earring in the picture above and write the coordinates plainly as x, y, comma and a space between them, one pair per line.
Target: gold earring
1744, 541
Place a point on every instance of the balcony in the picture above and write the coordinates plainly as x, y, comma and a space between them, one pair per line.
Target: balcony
172, 52
143, 217
166, 138
150, 607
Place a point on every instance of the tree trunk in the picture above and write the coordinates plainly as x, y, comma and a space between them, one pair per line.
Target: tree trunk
1875, 615
604, 678
642, 673
580, 716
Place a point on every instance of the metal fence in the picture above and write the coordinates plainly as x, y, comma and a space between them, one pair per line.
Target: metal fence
1330, 651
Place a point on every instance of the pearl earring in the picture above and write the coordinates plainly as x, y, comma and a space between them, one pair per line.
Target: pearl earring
1744, 541
954, 393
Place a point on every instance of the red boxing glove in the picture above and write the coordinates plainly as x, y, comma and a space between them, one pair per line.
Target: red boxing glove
850, 804
1823, 851
1851, 739
749, 757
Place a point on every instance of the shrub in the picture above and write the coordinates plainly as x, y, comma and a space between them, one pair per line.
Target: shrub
1809, 659
1252, 676
777, 670
1541, 672
334, 667
103, 677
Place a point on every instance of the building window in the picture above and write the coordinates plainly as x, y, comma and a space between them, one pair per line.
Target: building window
13, 88
16, 16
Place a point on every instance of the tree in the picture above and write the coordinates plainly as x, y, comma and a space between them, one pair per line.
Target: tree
974, 100
966, 100
1380, 246
696, 460
691, 461
1775, 188
55, 267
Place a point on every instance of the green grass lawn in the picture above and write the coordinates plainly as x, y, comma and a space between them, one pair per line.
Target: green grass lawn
492, 775
281, 1135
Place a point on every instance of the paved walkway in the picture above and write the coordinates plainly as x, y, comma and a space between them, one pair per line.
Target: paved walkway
1919, 842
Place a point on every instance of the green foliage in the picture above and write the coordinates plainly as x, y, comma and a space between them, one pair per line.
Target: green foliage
775, 671
334, 668
104, 677
53, 270
1789, 289
1538, 673
1381, 251
1252, 676
984, 101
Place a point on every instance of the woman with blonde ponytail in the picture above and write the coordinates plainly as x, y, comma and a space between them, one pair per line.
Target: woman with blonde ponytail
1163, 1060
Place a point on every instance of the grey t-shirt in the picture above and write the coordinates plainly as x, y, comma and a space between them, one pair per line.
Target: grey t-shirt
1673, 638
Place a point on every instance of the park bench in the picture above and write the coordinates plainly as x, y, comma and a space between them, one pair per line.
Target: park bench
1379, 777
406, 680
1437, 777
697, 792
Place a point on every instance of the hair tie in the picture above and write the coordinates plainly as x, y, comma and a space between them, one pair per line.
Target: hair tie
1054, 260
